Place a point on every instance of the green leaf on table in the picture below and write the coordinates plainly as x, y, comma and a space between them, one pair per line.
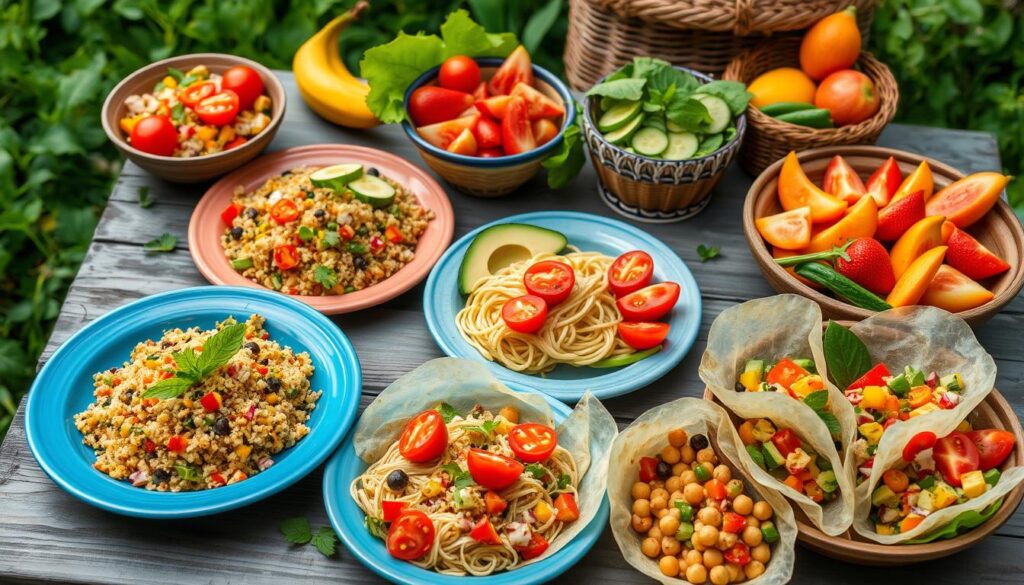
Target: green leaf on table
325, 541
620, 89
707, 252
165, 243
220, 348
296, 530
325, 276
170, 388
145, 199
846, 355
733, 93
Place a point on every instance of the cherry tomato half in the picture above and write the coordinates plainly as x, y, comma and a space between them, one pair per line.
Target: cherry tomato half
550, 280
532, 442
630, 272
245, 82
460, 73
955, 454
411, 536
155, 135
197, 92
536, 547
917, 443
219, 109
738, 554
492, 470
484, 532
643, 336
525, 314
424, 438
284, 211
993, 446
785, 372
286, 257
650, 303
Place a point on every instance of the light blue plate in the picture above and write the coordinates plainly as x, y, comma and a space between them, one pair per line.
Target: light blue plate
348, 521
64, 387
591, 233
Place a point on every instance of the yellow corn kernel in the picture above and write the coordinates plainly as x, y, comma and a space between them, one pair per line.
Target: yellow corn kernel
128, 123
170, 82
431, 489
227, 134
542, 511
198, 71
261, 104
873, 397
273, 398
930, 407
206, 133
307, 203
806, 385
751, 381
152, 364
243, 451
872, 432
187, 402
126, 427
964, 426
503, 427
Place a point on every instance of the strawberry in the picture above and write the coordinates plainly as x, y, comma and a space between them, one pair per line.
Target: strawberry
868, 266
969, 256
899, 215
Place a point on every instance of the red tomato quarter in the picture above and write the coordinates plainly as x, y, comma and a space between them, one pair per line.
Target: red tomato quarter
536, 547
786, 441
460, 73
550, 280
525, 314
484, 532
532, 442
917, 443
155, 135
392, 509
785, 372
487, 133
650, 303
516, 68
630, 272
955, 455
219, 109
245, 82
516, 130
993, 446
491, 470
286, 257
566, 508
197, 92
643, 336
230, 213
284, 210
424, 438
411, 536
431, 104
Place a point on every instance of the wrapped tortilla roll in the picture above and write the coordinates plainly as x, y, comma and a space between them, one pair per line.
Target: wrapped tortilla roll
646, 436
587, 433
773, 328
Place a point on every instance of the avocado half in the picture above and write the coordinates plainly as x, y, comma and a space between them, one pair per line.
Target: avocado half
501, 245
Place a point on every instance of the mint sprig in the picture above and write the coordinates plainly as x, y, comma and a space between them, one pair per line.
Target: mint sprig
818, 402
193, 367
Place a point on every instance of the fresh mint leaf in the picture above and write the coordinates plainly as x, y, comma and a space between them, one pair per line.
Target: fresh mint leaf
448, 412
831, 422
817, 400
325, 276
188, 363
220, 348
733, 93
164, 243
169, 388
326, 541
376, 527
296, 530
186, 472
565, 164
145, 200
688, 113
620, 89
707, 252
846, 355
486, 428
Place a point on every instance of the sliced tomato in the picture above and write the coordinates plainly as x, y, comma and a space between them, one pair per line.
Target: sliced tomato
516, 68
391, 510
525, 314
532, 442
538, 105
284, 211
424, 438
245, 82
566, 508
993, 445
785, 372
220, 109
648, 469
197, 92
874, 377
491, 152
544, 130
650, 303
789, 230
411, 536
643, 335
230, 213
516, 131
884, 182
786, 441
919, 442
460, 73
550, 280
431, 104
733, 522
492, 470
630, 272
487, 133
495, 107
494, 503
442, 134
286, 257
536, 547
484, 532
480, 93
738, 554
955, 454
464, 144
842, 181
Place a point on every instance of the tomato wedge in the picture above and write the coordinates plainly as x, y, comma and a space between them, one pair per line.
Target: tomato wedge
550, 280
786, 441
842, 182
492, 470
532, 442
785, 372
874, 377
955, 455
516, 130
484, 532
738, 554
536, 547
630, 272
424, 438
219, 109
566, 509
538, 105
494, 503
917, 443
525, 314
392, 509
197, 92
993, 445
789, 230
650, 303
643, 335
884, 182
284, 211
286, 257
411, 536
516, 68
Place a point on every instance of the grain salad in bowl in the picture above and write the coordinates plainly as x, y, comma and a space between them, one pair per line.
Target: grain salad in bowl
323, 231
199, 409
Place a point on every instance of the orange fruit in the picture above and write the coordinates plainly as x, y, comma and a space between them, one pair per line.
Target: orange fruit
832, 44
785, 84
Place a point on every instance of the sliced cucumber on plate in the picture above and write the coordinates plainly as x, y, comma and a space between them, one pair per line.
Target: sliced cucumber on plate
336, 176
618, 116
373, 190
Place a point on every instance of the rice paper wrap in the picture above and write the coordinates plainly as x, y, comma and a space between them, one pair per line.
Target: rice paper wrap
772, 328
587, 432
646, 436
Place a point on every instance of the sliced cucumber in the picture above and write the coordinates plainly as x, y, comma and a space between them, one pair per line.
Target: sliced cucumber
373, 190
655, 121
673, 127
622, 135
708, 145
241, 263
681, 146
618, 116
649, 141
719, 111
336, 176
630, 150
607, 103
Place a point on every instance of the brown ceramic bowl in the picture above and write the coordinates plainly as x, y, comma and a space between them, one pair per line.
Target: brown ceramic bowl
999, 231
200, 168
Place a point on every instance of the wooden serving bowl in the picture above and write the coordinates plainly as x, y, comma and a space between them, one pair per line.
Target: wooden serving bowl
198, 168
999, 231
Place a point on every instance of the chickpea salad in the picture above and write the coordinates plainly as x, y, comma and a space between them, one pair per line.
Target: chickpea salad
326, 231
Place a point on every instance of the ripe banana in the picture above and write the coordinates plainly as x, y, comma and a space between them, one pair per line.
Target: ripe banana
325, 83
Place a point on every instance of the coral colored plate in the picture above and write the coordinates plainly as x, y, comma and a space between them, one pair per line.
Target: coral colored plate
206, 227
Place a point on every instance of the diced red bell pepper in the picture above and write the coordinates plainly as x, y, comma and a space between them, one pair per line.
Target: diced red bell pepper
648, 469
715, 489
495, 503
538, 544
393, 235
392, 509
566, 507
484, 532
217, 478
733, 522
262, 370
149, 446
804, 475
786, 441
346, 232
376, 245
211, 401
739, 554
177, 443
873, 377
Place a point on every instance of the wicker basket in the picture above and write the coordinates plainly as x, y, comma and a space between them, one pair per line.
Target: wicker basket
769, 140
699, 34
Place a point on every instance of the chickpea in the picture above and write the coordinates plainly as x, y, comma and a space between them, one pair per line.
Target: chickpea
670, 455
719, 575
661, 513
722, 473
668, 524
708, 535
751, 521
693, 557
675, 513
657, 484
694, 493
655, 532
713, 557
696, 574
753, 569
650, 547
687, 477
677, 437
726, 540
642, 523
707, 455
734, 487
659, 492
659, 502
710, 516
762, 510
669, 566
761, 553
735, 572
695, 541
670, 546
677, 495
708, 467
672, 484
641, 491
642, 508
743, 505
752, 536
687, 454
679, 468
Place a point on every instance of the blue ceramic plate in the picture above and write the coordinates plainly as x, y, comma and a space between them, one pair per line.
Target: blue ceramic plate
64, 387
590, 233
348, 521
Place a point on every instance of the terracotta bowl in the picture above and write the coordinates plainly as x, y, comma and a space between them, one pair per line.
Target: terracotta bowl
999, 231
200, 168
993, 412
492, 177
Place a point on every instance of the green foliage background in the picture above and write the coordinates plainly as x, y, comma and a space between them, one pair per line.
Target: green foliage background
960, 64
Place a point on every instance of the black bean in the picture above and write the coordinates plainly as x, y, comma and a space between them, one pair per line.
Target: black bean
253, 347
273, 383
112, 370
127, 397
373, 172
740, 387
161, 476
664, 470
359, 262
221, 426
264, 361
251, 213
166, 344
236, 233
699, 442
397, 480
319, 213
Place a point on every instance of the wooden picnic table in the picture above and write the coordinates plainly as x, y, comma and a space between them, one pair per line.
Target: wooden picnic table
47, 535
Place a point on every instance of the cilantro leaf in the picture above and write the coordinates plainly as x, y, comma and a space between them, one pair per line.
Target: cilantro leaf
296, 530
145, 200
486, 428
460, 477
325, 541
220, 348
631, 89
707, 252
376, 527
817, 400
325, 276
186, 472
448, 412
165, 243
563, 481
537, 471
330, 239
169, 388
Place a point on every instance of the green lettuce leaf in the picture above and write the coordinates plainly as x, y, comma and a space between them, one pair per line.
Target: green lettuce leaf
960, 524
733, 93
620, 89
688, 113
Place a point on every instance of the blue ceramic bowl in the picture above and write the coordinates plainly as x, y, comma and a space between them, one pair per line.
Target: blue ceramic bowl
347, 520
64, 387
592, 233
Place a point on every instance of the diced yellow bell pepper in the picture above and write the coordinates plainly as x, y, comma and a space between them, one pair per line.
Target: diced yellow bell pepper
945, 496
170, 82
884, 529
243, 451
763, 430
806, 385
751, 381
872, 432
874, 397
273, 398
964, 426
128, 123
542, 511
206, 133
431, 489
911, 522
227, 134
973, 483
930, 407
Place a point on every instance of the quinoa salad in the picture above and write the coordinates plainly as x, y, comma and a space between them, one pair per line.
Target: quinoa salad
220, 429
303, 236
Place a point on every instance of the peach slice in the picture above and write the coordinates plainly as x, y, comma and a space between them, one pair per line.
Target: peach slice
922, 236
919, 180
789, 230
915, 280
954, 291
796, 191
859, 222
969, 199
